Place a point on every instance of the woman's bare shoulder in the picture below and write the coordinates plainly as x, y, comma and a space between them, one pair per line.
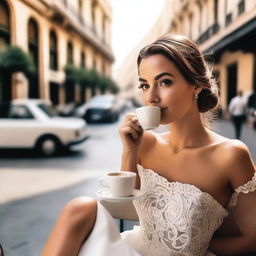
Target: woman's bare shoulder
235, 157
224, 143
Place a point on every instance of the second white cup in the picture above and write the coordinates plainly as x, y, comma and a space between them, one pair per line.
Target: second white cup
121, 184
149, 117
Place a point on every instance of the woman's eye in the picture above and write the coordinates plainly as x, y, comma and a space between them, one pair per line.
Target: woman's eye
143, 86
166, 82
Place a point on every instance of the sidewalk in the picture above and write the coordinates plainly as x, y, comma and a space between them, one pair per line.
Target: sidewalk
23, 183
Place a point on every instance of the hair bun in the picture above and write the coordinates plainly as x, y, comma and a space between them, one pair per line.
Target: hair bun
208, 99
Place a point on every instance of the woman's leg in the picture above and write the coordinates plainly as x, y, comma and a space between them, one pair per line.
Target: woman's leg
72, 228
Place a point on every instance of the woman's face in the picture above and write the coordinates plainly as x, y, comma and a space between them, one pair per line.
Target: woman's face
163, 85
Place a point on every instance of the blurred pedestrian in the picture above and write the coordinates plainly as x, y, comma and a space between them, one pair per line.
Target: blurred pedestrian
237, 109
1, 250
251, 105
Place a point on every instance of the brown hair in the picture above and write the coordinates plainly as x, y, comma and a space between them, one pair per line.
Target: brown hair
185, 54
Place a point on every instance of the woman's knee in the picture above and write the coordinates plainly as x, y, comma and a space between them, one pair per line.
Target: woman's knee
80, 211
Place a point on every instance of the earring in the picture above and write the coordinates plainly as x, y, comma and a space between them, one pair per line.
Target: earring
196, 97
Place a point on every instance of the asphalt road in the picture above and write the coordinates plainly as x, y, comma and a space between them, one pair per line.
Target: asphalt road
38, 188
33, 190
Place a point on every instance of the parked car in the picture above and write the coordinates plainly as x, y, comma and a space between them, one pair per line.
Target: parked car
100, 108
27, 123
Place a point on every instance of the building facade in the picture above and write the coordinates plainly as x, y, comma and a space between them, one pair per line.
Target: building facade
225, 31
57, 33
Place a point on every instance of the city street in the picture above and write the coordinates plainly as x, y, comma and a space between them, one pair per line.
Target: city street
34, 190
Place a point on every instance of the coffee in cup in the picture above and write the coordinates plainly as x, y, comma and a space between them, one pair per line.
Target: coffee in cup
120, 184
149, 117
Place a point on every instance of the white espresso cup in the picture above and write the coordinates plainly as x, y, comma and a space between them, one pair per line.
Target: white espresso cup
120, 184
149, 117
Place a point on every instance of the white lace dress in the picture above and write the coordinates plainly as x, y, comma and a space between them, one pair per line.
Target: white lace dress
176, 219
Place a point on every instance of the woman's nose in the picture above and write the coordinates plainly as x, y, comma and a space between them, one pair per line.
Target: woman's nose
153, 97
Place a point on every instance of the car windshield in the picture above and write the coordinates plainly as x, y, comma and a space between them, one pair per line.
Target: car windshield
48, 110
103, 100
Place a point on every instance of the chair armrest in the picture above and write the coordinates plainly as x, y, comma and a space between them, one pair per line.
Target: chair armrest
121, 210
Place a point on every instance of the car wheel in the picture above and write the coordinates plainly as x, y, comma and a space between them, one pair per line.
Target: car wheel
48, 146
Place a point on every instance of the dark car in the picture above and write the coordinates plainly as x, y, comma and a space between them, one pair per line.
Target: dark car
102, 108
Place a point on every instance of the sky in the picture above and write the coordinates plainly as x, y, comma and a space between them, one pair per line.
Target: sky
131, 20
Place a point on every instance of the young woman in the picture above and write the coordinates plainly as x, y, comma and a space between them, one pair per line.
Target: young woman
193, 178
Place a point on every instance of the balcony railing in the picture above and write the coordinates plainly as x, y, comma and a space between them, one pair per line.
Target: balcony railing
70, 19
212, 30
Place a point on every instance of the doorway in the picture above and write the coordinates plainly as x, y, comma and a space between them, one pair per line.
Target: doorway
231, 81
54, 93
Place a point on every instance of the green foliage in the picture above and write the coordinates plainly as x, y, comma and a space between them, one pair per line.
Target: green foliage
90, 79
14, 59
71, 74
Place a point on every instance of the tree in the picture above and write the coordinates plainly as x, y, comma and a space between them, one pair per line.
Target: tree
14, 59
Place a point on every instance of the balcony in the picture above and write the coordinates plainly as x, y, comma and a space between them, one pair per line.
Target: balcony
212, 30
68, 18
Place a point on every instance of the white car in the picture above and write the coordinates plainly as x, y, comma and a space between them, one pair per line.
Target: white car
32, 123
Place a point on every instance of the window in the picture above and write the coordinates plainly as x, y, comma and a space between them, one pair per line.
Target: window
216, 6
83, 60
4, 16
33, 40
53, 51
241, 7
70, 53
174, 27
80, 7
33, 46
94, 64
4, 25
103, 68
104, 28
190, 18
48, 110
20, 112
93, 13
200, 18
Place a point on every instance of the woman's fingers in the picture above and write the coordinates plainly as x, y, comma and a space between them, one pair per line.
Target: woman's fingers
134, 125
131, 127
131, 119
130, 131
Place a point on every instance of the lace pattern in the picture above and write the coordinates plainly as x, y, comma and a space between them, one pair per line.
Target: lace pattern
176, 218
250, 186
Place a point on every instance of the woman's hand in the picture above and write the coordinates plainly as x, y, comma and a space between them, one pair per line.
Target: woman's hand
131, 133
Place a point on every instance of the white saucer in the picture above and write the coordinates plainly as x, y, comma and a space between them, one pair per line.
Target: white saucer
105, 194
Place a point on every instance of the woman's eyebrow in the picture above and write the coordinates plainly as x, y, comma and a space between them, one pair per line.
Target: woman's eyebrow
163, 74
157, 77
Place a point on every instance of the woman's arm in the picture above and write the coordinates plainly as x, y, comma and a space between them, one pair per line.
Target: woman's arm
241, 173
233, 245
129, 163
131, 135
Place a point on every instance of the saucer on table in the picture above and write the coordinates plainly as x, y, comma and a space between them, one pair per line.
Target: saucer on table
104, 193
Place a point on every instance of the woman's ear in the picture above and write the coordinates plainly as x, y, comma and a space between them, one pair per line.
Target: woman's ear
197, 89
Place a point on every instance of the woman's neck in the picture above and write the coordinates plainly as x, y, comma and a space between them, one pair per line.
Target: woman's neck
188, 132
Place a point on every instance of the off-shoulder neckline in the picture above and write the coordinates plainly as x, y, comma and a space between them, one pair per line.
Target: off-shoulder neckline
187, 184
